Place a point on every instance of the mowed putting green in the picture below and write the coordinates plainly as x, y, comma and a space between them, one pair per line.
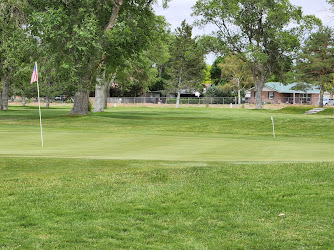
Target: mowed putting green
196, 134
164, 178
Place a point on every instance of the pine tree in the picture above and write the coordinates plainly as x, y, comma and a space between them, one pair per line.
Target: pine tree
315, 62
187, 64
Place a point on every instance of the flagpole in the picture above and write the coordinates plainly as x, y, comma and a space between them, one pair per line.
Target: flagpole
272, 119
39, 107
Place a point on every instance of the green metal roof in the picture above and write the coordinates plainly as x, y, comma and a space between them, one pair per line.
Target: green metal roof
281, 88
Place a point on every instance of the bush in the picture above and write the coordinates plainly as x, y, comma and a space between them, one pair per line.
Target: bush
90, 106
217, 91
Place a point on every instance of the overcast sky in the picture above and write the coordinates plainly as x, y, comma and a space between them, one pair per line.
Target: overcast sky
181, 9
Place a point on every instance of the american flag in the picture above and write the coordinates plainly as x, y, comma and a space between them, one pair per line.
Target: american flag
34, 76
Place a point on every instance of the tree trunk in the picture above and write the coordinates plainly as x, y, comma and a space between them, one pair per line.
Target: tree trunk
114, 14
178, 100
47, 102
100, 89
258, 95
99, 97
81, 97
4, 94
23, 101
321, 97
239, 96
107, 90
178, 92
81, 102
106, 95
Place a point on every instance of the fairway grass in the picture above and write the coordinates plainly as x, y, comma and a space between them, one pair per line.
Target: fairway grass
103, 204
164, 178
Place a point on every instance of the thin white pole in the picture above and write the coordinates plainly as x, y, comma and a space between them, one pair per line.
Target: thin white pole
39, 107
272, 119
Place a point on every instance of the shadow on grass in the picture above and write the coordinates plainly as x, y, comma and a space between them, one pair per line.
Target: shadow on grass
153, 116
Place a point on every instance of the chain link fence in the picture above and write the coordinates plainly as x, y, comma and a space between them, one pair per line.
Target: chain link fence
183, 100
188, 100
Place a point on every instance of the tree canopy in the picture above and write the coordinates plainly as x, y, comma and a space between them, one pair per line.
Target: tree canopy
14, 45
186, 64
316, 59
259, 32
80, 45
84, 35
237, 73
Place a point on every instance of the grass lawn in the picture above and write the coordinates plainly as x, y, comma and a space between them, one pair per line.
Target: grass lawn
164, 178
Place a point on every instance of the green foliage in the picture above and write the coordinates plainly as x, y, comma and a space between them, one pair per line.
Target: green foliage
215, 71
74, 37
14, 45
207, 72
70, 36
212, 44
316, 60
186, 65
136, 75
258, 31
237, 73
140, 69
90, 106
218, 91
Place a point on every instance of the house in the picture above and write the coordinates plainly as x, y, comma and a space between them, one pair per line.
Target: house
277, 92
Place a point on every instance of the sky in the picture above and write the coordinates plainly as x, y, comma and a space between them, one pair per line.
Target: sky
179, 10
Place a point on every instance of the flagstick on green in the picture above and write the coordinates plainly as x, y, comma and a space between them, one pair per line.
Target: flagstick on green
34, 78
272, 119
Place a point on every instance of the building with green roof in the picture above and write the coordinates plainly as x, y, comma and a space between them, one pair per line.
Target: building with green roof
294, 93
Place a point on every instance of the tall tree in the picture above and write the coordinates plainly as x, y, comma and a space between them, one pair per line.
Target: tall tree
315, 63
76, 30
70, 31
12, 39
237, 73
141, 41
186, 63
258, 31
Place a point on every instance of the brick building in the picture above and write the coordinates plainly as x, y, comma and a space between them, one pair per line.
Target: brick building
276, 93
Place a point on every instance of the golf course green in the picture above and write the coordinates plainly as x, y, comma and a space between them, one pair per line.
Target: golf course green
200, 134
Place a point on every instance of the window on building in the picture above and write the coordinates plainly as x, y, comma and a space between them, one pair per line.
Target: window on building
305, 98
254, 94
271, 95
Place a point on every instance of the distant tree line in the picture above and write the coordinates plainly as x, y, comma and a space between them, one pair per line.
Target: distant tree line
123, 47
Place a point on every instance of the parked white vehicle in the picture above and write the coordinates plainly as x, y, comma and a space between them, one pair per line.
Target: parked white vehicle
328, 101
